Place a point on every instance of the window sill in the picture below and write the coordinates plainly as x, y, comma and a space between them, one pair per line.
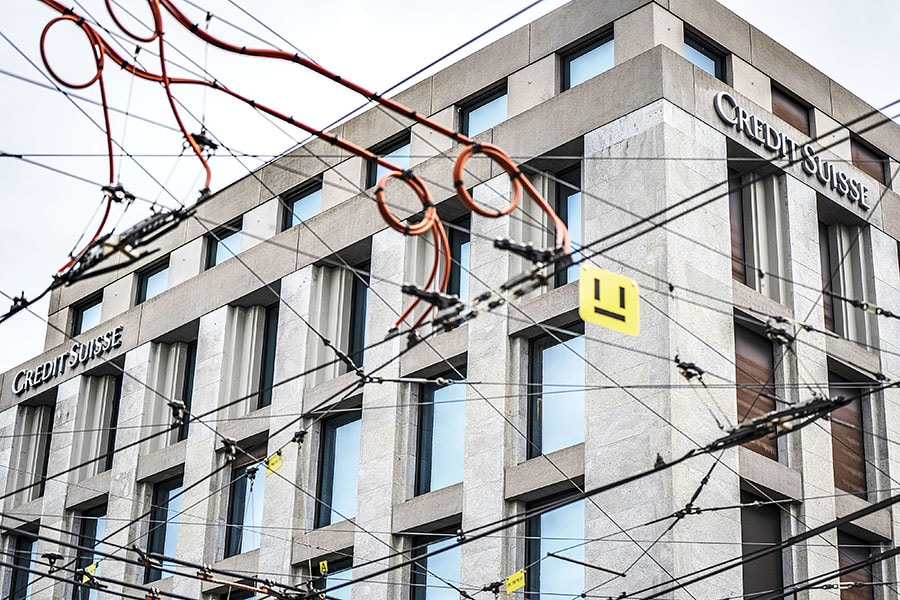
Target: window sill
430, 511
163, 463
876, 525
773, 477
308, 546
246, 563
852, 353
538, 477
88, 493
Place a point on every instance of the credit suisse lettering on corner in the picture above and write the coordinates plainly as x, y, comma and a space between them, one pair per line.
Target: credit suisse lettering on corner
764, 134
78, 354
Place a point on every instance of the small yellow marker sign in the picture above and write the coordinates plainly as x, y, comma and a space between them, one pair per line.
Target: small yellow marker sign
89, 570
609, 300
516, 581
323, 567
273, 463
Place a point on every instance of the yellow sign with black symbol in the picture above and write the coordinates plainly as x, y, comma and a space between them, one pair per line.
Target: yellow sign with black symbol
609, 300
516, 581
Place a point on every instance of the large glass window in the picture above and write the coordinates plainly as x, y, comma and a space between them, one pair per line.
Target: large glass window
459, 253
442, 426
164, 523
245, 506
396, 152
561, 532
96, 420
339, 571
757, 238
153, 281
847, 441
704, 56
760, 530
187, 390
843, 251
303, 204
87, 314
754, 375
223, 243
267, 369
359, 300
556, 393
91, 531
20, 585
484, 113
338, 469
568, 207
431, 576
790, 110
31, 452
852, 550
587, 61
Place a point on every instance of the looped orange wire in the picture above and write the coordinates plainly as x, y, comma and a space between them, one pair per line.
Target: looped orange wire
96, 48
156, 28
424, 196
501, 158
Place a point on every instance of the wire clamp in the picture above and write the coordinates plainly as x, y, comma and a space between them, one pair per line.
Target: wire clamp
779, 335
494, 587
689, 370
117, 193
153, 594
435, 298
299, 436
144, 559
52, 558
460, 535
230, 446
529, 252
178, 412
203, 141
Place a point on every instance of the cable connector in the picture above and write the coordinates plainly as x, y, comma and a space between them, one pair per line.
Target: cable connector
435, 298
494, 587
299, 436
203, 140
117, 193
144, 559
230, 447
52, 558
779, 335
689, 370
178, 411
529, 252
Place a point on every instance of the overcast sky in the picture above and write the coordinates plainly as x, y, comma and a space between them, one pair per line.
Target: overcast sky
372, 43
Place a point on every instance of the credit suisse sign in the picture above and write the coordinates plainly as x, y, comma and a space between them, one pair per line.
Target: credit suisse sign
78, 354
782, 146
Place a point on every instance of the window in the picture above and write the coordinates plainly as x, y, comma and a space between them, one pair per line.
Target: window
754, 375
460, 245
91, 526
267, 370
96, 419
851, 551
153, 281
245, 503
760, 530
223, 243
559, 531
789, 109
338, 469
396, 152
556, 393
484, 113
359, 300
87, 314
303, 204
847, 441
164, 518
431, 576
339, 571
442, 427
845, 271
868, 160
23, 546
31, 452
587, 61
704, 56
170, 375
757, 224
568, 207
187, 390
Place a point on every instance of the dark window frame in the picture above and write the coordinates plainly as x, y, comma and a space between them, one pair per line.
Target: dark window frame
478, 101
869, 160
215, 237
187, 389
758, 532
562, 194
156, 536
359, 296
236, 517
81, 308
144, 278
791, 109
533, 551
460, 235
298, 194
851, 550
113, 425
709, 50
580, 50
425, 432
849, 442
326, 471
383, 149
22, 561
267, 368
758, 356
419, 571
87, 538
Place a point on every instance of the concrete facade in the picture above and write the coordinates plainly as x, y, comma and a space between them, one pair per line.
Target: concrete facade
650, 145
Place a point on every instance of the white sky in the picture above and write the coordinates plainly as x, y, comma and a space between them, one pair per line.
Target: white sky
371, 43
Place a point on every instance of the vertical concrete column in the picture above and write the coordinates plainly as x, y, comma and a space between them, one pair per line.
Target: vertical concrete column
124, 501
260, 223
667, 422
201, 533
809, 450
381, 482
489, 443
7, 431
54, 503
284, 504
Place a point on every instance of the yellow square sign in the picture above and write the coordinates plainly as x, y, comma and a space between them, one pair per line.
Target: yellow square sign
609, 300
516, 581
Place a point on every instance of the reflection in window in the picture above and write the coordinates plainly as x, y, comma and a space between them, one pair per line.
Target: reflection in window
560, 531
338, 469
153, 281
760, 530
431, 576
224, 243
852, 551
91, 531
556, 389
843, 251
568, 207
245, 506
442, 426
164, 524
395, 152
87, 315
587, 61
20, 584
303, 205
790, 110
847, 441
459, 253
754, 375
484, 113
339, 571
704, 56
